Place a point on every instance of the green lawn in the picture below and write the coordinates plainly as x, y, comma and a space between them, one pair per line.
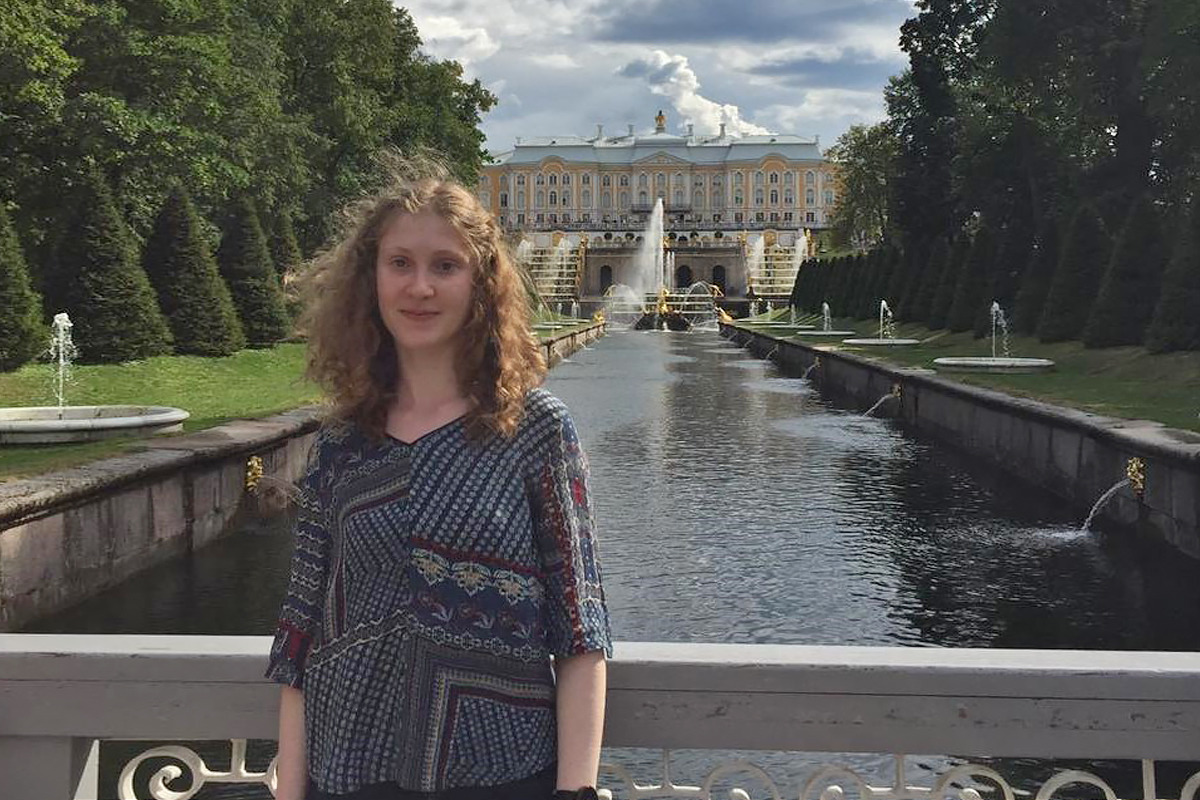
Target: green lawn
248, 384
1118, 381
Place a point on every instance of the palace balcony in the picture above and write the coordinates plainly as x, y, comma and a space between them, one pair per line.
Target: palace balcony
1124, 711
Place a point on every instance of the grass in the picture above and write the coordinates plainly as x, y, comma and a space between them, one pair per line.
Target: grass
1125, 382
248, 384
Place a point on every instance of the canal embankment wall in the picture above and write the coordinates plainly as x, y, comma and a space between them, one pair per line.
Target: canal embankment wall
1074, 454
68, 535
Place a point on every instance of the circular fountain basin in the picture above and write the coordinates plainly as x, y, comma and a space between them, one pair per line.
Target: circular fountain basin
996, 364
882, 342
828, 334
45, 425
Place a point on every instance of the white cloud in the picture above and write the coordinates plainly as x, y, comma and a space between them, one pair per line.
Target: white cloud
555, 61
672, 77
446, 37
816, 108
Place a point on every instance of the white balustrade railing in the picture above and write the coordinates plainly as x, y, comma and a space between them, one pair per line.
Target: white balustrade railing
59, 694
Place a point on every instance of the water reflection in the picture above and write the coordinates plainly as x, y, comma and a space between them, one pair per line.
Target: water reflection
735, 505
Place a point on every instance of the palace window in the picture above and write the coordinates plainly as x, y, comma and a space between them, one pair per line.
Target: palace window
521, 198
660, 180
810, 178
606, 180
642, 198
553, 218
587, 179
828, 197
643, 180
586, 198
810, 216
606, 199
810, 197
758, 197
539, 200
737, 217
625, 200
698, 182
503, 181
624, 180
553, 179
566, 197
716, 217
789, 178
789, 198
520, 180
566, 181
758, 178
758, 216
541, 218
698, 199
504, 199
737, 179
553, 197
787, 216
566, 218
774, 178
520, 219
679, 197
774, 197
483, 180
738, 199
678, 178
540, 180
774, 216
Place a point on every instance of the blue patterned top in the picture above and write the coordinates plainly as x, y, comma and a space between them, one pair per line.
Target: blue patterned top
431, 582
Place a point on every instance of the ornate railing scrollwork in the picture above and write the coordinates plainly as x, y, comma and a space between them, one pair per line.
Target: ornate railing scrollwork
830, 782
197, 771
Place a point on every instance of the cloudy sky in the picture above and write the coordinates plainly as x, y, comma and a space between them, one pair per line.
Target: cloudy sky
559, 67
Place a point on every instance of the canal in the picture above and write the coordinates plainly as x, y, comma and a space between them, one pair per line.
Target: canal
734, 504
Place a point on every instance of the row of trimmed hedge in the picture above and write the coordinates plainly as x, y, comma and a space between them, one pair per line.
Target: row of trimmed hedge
173, 296
1134, 288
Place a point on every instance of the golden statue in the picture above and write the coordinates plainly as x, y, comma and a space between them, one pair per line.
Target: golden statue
660, 121
723, 315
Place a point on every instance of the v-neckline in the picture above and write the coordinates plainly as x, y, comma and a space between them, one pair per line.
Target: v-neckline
426, 434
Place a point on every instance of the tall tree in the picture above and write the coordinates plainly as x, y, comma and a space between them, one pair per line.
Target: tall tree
1130, 289
1076, 277
1035, 282
107, 294
865, 157
191, 293
21, 329
1176, 323
245, 263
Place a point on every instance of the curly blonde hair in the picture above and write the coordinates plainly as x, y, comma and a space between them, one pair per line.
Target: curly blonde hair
352, 356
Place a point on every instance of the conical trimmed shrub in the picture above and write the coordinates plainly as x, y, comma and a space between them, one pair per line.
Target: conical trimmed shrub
285, 251
943, 297
1069, 302
921, 302
1035, 284
22, 334
1130, 288
245, 264
1176, 321
106, 292
973, 281
1011, 257
191, 292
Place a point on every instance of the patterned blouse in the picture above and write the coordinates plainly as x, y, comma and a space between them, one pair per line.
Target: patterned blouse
431, 582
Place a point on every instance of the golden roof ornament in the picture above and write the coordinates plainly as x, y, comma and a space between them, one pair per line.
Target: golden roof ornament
660, 122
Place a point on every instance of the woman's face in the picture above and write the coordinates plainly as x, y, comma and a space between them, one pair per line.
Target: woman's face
423, 279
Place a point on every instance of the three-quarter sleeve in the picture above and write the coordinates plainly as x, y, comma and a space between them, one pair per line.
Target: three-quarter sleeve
301, 612
576, 616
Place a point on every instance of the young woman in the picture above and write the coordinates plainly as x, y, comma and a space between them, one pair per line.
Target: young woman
444, 546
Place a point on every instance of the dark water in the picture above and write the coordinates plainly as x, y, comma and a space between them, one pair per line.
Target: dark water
735, 505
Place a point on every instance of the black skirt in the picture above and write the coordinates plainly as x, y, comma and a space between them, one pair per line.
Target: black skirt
535, 787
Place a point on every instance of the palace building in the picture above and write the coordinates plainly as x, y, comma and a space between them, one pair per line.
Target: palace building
720, 194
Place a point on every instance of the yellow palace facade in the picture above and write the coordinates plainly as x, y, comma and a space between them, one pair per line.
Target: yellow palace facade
736, 209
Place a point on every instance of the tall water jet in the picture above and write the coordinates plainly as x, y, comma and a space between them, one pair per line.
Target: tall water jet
754, 263
887, 331
524, 250
996, 363
648, 265
826, 318
62, 353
